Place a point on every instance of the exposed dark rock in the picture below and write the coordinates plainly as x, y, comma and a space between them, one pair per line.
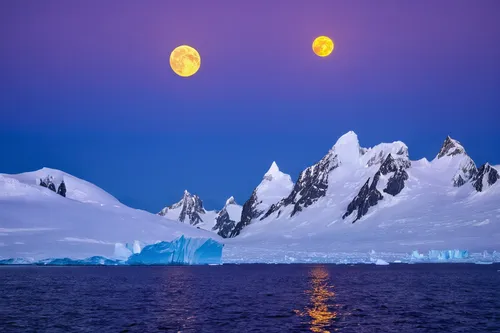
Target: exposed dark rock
310, 186
392, 165
367, 197
223, 223
396, 183
48, 182
51, 187
61, 190
451, 147
467, 170
485, 174
458, 181
248, 213
192, 208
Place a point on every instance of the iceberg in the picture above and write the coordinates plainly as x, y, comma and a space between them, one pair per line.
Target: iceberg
441, 255
92, 261
415, 255
448, 254
381, 262
181, 251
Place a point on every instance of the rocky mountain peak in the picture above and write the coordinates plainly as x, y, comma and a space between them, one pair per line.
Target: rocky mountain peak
378, 154
189, 207
451, 147
227, 218
230, 201
485, 177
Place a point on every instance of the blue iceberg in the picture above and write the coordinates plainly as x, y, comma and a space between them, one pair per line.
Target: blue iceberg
448, 255
182, 251
441, 255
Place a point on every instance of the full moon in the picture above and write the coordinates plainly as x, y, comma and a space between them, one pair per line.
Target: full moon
185, 60
323, 46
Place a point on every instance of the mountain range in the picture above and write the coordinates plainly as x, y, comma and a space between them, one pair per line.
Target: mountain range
353, 185
352, 200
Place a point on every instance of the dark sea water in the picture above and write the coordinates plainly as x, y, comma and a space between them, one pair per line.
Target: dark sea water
251, 298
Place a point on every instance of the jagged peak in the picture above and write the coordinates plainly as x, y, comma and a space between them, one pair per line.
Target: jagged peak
486, 176
377, 154
273, 170
485, 168
451, 147
231, 201
187, 196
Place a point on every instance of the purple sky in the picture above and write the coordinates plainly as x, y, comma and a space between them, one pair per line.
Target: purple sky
401, 70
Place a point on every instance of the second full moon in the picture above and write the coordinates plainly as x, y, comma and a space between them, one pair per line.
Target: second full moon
322, 46
185, 60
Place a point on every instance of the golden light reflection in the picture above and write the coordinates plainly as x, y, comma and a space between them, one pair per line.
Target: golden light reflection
322, 296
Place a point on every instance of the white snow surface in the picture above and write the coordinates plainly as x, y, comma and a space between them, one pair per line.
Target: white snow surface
274, 186
36, 223
234, 211
347, 149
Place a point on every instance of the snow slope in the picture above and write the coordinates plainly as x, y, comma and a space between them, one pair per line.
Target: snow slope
37, 223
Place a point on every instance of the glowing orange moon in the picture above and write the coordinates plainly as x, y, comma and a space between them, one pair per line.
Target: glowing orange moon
323, 46
185, 60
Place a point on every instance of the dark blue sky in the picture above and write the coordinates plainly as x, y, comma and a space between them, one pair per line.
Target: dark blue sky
86, 87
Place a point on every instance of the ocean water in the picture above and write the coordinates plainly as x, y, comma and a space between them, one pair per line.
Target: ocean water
251, 298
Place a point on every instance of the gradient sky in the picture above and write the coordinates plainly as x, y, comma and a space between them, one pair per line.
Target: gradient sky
86, 87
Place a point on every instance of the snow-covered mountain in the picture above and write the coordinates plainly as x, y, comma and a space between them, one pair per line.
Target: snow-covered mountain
36, 222
190, 210
358, 198
273, 187
227, 218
